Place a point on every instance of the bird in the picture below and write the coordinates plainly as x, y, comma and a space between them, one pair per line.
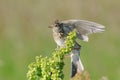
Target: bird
83, 28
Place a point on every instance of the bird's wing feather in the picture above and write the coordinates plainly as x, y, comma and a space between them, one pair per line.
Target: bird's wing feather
84, 27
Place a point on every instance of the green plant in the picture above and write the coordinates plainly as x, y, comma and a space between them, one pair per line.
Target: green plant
51, 68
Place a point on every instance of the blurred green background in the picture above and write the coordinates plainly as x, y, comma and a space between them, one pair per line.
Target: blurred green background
24, 34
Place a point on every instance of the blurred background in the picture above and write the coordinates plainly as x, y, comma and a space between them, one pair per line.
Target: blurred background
24, 34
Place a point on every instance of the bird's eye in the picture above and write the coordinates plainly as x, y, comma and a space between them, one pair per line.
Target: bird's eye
56, 25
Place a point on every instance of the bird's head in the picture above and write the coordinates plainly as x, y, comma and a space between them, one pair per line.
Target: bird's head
57, 26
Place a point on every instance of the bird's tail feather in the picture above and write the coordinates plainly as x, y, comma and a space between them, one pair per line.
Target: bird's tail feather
76, 65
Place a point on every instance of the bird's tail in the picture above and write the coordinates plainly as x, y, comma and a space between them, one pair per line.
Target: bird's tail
76, 64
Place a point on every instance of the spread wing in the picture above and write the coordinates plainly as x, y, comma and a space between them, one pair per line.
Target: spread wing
84, 28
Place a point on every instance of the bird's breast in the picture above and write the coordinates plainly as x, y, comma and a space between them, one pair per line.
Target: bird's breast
59, 39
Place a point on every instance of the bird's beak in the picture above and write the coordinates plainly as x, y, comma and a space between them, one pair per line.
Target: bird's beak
51, 26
